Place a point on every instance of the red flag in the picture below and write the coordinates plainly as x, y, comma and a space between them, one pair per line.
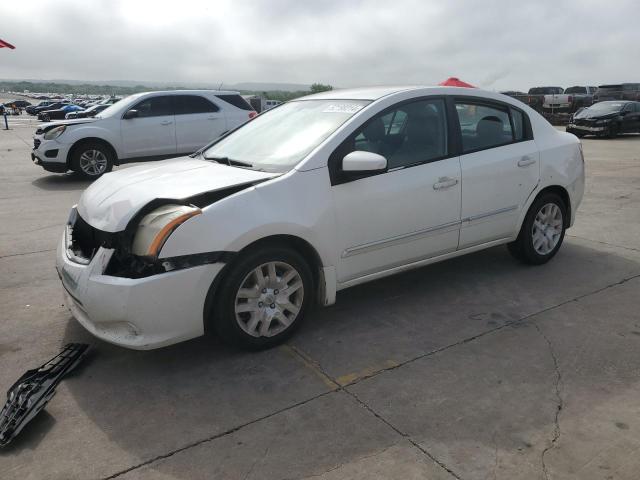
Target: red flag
4, 44
455, 82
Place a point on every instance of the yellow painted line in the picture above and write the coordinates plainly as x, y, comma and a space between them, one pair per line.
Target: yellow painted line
367, 372
311, 364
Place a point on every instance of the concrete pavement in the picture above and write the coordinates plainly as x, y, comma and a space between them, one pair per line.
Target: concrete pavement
474, 368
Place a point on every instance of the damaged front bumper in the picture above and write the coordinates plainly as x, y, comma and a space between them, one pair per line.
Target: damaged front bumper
139, 313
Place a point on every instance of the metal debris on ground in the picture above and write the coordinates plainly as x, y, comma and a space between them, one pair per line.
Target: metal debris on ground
28, 396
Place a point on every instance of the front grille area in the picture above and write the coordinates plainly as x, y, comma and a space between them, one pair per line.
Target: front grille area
86, 240
583, 122
36, 142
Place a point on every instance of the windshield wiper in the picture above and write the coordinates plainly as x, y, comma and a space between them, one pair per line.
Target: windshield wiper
230, 162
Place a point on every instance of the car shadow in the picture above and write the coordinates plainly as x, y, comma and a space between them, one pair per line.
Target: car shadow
202, 388
60, 182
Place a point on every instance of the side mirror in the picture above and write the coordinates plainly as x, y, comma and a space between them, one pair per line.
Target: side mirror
130, 114
364, 162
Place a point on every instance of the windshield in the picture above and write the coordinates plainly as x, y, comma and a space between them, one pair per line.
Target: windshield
279, 138
107, 112
602, 108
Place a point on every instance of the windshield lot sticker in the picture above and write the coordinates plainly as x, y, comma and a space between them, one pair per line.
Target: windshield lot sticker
343, 108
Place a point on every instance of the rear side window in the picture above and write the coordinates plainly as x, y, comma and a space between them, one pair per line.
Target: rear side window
483, 126
187, 104
236, 101
154, 107
518, 125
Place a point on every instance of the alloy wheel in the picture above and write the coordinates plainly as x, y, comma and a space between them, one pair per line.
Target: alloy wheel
547, 228
269, 299
93, 162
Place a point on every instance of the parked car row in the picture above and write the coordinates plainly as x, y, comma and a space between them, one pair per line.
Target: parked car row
142, 126
556, 100
47, 110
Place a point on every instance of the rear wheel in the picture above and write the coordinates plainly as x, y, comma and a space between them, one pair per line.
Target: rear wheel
542, 231
263, 299
91, 160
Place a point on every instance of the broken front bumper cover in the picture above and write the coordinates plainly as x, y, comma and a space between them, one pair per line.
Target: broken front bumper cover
34, 389
139, 313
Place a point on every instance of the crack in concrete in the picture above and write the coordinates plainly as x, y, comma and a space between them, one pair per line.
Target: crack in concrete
359, 459
343, 388
213, 437
26, 253
560, 404
253, 465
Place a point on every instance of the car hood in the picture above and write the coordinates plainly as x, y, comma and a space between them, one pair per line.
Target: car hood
46, 126
114, 199
584, 115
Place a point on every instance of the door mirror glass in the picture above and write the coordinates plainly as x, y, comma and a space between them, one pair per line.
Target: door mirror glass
364, 162
130, 114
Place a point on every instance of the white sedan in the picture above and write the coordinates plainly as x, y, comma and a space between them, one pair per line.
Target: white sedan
312, 197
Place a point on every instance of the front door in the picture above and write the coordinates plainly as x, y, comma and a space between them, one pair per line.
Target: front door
153, 131
500, 169
412, 211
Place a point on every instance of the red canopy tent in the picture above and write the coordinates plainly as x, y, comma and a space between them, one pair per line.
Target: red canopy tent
4, 44
455, 82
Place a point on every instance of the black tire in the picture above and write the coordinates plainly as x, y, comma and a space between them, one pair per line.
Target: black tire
523, 247
78, 163
223, 315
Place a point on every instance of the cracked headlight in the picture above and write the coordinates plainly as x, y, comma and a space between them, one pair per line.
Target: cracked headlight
155, 227
55, 132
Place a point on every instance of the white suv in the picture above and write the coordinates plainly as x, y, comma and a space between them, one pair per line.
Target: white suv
144, 126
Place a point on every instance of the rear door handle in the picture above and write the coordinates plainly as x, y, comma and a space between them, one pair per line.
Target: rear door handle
445, 182
526, 161
166, 122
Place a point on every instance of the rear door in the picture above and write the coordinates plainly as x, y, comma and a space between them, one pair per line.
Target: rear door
153, 131
499, 166
198, 121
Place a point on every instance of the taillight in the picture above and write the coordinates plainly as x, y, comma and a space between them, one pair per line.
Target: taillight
252, 114
570, 99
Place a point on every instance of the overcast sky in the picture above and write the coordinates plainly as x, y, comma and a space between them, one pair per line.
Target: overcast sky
492, 43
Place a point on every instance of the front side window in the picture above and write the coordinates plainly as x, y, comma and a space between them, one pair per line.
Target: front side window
410, 134
281, 137
154, 107
483, 126
188, 104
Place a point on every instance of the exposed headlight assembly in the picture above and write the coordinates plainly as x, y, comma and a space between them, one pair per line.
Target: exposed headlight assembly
155, 227
55, 132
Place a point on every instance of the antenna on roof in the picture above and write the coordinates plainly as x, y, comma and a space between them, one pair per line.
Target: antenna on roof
220, 86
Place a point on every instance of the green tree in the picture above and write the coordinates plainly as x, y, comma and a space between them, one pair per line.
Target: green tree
319, 87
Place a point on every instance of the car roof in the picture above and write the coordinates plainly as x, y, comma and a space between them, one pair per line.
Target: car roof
180, 92
364, 93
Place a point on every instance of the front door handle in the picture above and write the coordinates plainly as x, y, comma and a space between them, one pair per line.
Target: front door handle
526, 161
212, 118
166, 122
445, 182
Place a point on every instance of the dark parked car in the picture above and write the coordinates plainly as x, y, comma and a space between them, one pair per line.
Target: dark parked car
57, 114
31, 110
51, 106
622, 91
89, 112
606, 119
19, 103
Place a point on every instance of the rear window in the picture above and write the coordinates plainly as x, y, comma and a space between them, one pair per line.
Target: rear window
545, 90
576, 90
236, 101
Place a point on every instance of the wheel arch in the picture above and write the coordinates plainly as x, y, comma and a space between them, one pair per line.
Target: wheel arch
563, 194
298, 244
79, 142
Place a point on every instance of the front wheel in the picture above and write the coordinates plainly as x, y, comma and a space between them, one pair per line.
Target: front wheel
542, 231
612, 131
263, 299
91, 160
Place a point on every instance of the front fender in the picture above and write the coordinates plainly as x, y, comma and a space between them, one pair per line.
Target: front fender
93, 130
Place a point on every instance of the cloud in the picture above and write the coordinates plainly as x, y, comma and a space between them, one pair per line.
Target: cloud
496, 44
